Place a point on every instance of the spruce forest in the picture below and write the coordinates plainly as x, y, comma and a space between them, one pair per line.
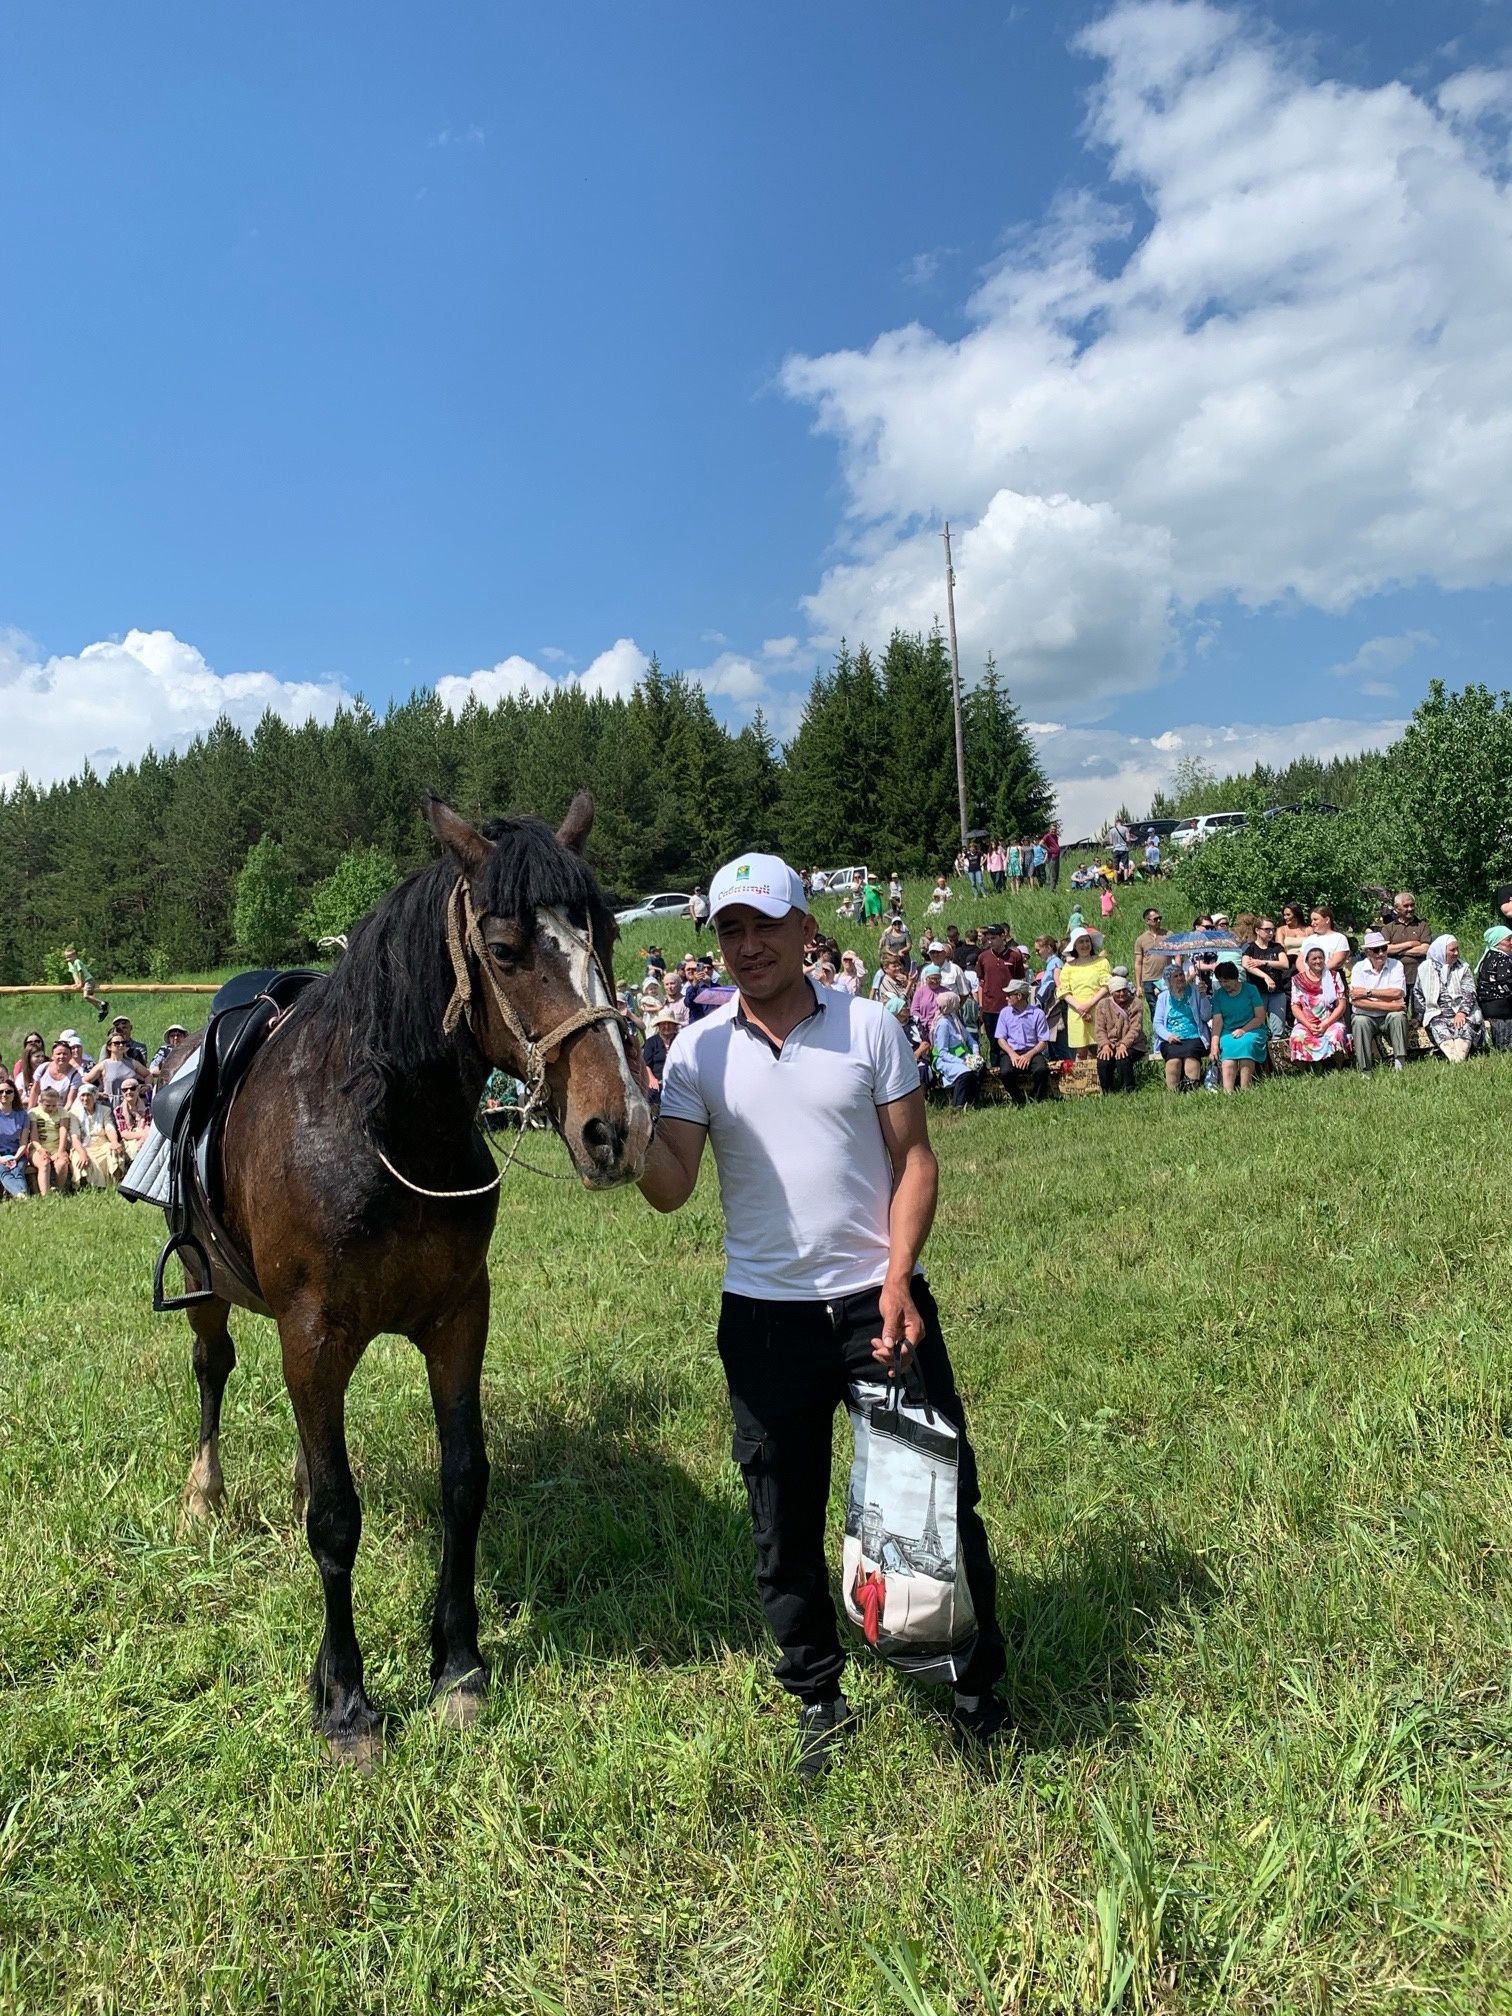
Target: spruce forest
252, 846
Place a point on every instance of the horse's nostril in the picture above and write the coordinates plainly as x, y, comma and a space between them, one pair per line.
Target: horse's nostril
602, 1138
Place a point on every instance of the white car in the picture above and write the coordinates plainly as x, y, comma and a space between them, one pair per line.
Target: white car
1190, 831
839, 879
670, 903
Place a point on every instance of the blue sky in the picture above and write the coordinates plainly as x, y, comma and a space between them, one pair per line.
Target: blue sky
349, 349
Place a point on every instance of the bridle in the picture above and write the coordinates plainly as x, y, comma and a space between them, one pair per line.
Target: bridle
462, 937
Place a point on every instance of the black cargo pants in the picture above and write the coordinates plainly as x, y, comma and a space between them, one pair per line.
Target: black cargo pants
788, 1365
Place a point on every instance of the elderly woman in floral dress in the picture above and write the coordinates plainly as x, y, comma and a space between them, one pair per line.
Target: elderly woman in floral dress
1319, 1030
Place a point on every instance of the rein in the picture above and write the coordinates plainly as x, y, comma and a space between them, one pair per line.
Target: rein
462, 937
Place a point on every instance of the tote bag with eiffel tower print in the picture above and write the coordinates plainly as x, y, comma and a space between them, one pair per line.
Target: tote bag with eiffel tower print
902, 1575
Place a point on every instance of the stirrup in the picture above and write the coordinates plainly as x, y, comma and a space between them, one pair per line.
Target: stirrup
177, 1246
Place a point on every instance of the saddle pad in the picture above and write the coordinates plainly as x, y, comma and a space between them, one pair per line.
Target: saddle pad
147, 1180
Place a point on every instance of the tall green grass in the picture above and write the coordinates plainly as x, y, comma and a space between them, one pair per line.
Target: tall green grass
1237, 1375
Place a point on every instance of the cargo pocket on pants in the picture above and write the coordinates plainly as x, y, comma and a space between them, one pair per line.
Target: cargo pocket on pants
750, 1453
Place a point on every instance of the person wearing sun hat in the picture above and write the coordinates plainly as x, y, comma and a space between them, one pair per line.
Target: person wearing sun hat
1493, 986
1378, 996
809, 1100
173, 1035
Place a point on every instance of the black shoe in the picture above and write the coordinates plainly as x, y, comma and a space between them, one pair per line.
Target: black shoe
821, 1724
980, 1720
104, 1011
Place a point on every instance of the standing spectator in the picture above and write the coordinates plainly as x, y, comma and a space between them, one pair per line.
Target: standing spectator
1324, 932
1150, 965
1493, 986
1446, 1003
1238, 1031
1267, 965
84, 981
52, 1136
136, 1052
1080, 984
1318, 1029
113, 1069
1118, 840
698, 909
173, 1036
1183, 1029
997, 866
974, 868
1119, 1024
1152, 854
1292, 932
1378, 991
818, 882
1039, 856
1408, 936
896, 941
1052, 851
895, 891
1021, 1037
871, 903
15, 1140
654, 1053
998, 963
33, 1057
60, 1076
1016, 855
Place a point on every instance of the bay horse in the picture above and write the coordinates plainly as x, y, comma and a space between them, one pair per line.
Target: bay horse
357, 1184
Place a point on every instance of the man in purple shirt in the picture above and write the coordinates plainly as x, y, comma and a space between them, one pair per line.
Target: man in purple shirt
1023, 1042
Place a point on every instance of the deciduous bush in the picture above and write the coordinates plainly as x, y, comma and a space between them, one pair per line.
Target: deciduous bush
1299, 857
362, 877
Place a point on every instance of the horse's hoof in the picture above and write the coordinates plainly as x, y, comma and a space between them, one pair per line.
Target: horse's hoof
458, 1708
202, 1502
360, 1750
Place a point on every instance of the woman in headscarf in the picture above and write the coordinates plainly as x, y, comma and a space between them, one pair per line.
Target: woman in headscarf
1319, 1030
926, 997
1445, 1000
1081, 983
1119, 1023
1182, 1026
1493, 986
956, 1058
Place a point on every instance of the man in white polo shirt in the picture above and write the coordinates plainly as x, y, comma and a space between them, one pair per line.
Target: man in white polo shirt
810, 1100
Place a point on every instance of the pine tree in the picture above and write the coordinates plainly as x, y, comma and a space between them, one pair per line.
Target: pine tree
1008, 793
918, 817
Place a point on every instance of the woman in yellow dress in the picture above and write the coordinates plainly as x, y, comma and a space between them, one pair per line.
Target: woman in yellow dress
1081, 983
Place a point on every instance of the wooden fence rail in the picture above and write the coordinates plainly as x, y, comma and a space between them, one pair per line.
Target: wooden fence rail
130, 987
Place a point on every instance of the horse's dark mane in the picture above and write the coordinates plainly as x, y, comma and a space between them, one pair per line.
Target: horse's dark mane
383, 1004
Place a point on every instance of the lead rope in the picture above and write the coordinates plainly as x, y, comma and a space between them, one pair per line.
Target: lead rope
462, 935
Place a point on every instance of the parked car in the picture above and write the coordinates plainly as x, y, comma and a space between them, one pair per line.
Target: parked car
1188, 832
839, 879
1320, 805
670, 903
1145, 829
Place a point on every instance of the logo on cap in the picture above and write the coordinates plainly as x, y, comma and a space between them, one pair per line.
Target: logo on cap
743, 872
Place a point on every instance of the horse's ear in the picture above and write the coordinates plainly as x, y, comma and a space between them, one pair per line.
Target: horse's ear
578, 824
463, 842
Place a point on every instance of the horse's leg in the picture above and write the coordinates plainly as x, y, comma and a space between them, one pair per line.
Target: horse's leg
214, 1357
318, 1363
454, 1361
301, 1484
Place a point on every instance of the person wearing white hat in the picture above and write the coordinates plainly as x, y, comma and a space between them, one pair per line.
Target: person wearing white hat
809, 1098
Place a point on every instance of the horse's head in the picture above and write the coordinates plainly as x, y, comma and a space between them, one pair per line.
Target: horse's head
531, 944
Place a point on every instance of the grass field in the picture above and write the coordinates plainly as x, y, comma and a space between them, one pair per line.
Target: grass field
1237, 1378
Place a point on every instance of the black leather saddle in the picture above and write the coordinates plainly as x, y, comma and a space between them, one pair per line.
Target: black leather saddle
190, 1111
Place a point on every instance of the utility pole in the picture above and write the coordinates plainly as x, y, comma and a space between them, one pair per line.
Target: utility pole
955, 684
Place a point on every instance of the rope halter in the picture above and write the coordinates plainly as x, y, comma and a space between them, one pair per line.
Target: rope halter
462, 936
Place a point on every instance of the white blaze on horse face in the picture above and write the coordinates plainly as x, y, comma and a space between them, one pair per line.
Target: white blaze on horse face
587, 981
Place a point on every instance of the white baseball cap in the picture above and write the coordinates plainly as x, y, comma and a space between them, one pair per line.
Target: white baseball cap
764, 881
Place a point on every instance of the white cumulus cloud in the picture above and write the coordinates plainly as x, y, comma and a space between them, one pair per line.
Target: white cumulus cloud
1288, 380
613, 673
1095, 770
107, 703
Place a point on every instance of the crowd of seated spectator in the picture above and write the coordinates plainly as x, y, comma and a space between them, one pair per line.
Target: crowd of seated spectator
71, 1121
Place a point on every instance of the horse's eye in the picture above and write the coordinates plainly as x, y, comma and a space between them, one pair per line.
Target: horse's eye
505, 957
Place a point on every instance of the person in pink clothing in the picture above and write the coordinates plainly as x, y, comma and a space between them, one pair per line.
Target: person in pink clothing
1109, 902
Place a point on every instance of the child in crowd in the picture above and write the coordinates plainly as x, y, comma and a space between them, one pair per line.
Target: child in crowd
84, 980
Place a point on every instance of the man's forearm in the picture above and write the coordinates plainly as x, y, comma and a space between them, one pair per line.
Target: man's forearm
664, 1182
912, 1212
